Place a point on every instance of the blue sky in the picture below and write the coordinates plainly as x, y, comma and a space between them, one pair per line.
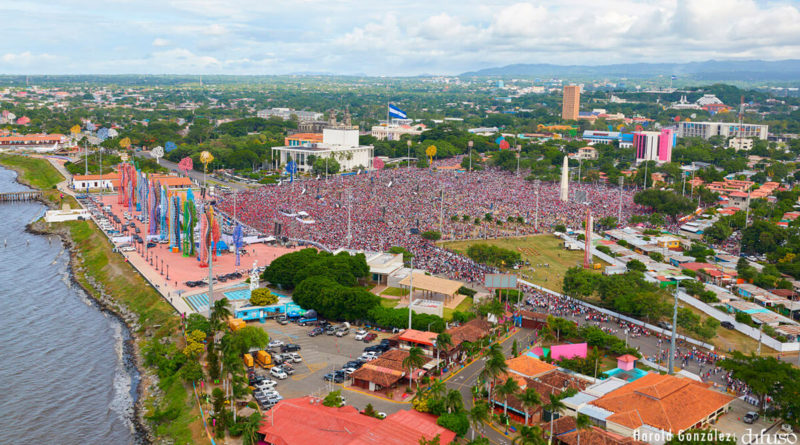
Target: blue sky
380, 37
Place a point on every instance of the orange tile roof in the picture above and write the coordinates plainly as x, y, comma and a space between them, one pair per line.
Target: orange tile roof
528, 366
419, 337
112, 176
663, 401
32, 138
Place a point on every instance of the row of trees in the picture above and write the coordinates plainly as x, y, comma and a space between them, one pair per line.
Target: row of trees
493, 255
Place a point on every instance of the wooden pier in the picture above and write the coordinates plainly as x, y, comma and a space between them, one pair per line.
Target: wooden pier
20, 196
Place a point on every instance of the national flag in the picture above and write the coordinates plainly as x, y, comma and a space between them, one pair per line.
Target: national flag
674, 77
389, 184
396, 112
304, 191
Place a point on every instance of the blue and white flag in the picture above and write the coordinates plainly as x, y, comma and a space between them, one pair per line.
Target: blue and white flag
396, 112
674, 77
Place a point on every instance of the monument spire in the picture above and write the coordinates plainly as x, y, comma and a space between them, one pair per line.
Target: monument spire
565, 180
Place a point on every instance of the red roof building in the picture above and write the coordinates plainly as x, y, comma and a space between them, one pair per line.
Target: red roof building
305, 421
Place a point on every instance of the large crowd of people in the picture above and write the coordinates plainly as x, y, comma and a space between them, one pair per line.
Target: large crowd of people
391, 207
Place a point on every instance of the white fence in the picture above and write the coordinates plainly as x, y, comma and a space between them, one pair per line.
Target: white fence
622, 317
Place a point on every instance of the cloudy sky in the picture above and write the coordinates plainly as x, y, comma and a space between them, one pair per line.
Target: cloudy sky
381, 37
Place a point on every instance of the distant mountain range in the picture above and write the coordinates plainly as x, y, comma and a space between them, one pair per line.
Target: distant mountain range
711, 70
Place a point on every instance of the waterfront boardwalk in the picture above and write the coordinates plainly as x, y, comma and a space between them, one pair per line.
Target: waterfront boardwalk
20, 196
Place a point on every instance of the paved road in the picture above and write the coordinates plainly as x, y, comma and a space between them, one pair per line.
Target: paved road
194, 174
468, 377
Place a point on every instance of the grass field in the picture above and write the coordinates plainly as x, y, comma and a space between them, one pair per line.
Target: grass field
538, 250
464, 306
395, 292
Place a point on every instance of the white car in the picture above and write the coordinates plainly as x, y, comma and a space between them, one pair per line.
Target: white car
278, 373
349, 371
360, 335
275, 344
267, 385
295, 357
368, 356
381, 415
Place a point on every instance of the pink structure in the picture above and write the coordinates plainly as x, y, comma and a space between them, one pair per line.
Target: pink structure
626, 362
665, 143
558, 352
654, 145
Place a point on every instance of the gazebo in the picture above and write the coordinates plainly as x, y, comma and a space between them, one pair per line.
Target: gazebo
431, 285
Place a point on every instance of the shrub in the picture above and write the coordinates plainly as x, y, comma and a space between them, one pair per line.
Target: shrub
262, 297
432, 235
455, 422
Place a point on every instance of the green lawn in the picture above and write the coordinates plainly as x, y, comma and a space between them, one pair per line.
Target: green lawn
464, 306
36, 172
538, 250
395, 292
389, 302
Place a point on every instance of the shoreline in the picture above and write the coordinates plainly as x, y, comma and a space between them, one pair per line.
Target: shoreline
131, 355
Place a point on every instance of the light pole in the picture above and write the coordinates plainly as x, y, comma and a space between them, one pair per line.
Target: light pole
671, 369
408, 152
410, 292
519, 152
470, 155
619, 212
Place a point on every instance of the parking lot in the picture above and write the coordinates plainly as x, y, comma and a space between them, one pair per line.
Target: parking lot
732, 423
321, 355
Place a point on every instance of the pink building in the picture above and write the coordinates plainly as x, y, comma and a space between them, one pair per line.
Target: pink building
654, 145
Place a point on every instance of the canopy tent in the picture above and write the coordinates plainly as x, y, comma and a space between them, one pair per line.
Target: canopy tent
431, 284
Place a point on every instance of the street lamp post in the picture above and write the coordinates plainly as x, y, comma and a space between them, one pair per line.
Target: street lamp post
408, 153
519, 152
671, 369
470, 155
411, 292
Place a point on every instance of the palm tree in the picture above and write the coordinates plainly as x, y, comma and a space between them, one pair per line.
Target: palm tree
453, 401
493, 368
250, 428
530, 399
582, 422
554, 406
529, 435
415, 359
478, 415
220, 311
437, 389
508, 388
443, 343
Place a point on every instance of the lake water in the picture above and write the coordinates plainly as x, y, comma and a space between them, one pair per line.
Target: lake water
64, 376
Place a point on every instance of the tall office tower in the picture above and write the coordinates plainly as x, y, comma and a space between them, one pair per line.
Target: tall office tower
571, 103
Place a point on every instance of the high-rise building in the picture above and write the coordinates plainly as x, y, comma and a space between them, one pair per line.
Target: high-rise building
654, 145
571, 103
706, 130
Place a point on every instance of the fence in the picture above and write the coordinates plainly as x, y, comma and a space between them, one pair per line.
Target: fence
622, 317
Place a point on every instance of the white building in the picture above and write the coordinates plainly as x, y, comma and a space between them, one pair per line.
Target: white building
287, 113
738, 143
109, 181
393, 132
706, 130
340, 144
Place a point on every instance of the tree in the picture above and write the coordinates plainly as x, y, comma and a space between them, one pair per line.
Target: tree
415, 359
529, 435
478, 415
191, 371
437, 389
582, 422
443, 343
250, 429
262, 297
636, 265
768, 377
435, 441
509, 388
333, 399
554, 406
220, 311
530, 399
579, 282
245, 339
432, 235
328, 165
453, 401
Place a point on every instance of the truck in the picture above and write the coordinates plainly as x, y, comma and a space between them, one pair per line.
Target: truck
310, 317
264, 359
248, 360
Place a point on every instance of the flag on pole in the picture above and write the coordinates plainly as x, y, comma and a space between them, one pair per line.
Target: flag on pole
396, 112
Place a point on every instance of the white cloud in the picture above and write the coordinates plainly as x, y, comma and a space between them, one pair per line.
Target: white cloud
348, 36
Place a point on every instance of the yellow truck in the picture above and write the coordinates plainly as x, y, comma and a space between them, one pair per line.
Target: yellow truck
264, 359
236, 323
248, 360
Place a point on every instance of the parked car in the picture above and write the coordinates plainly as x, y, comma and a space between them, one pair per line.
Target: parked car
727, 325
348, 371
316, 331
354, 364
369, 337
750, 417
275, 344
341, 332
786, 428
287, 368
295, 357
335, 377
277, 372
330, 330
282, 320
664, 325
360, 334
291, 347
